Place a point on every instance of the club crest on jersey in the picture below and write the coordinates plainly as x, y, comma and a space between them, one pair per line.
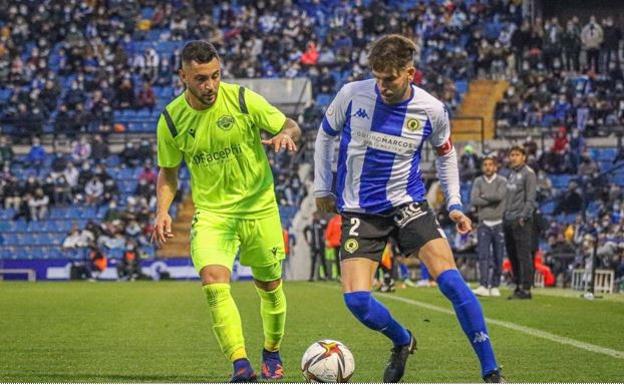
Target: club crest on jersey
351, 245
225, 122
413, 124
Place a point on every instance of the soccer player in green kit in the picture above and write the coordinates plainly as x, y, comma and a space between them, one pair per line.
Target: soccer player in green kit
215, 127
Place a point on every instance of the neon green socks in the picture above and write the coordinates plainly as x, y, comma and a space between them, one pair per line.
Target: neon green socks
226, 321
273, 312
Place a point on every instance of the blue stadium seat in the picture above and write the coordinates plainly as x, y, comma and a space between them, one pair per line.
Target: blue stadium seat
461, 86
560, 181
548, 208
6, 252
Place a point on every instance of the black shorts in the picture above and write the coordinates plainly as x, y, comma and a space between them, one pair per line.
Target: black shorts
411, 225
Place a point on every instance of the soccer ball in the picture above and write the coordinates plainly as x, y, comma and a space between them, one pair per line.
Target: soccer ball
327, 361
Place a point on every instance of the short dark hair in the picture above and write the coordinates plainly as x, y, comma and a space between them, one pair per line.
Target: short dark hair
491, 156
520, 149
391, 52
200, 51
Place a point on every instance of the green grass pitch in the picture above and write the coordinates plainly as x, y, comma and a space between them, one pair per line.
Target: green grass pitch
160, 332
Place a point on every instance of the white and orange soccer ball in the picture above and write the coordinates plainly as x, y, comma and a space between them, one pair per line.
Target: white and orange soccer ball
327, 361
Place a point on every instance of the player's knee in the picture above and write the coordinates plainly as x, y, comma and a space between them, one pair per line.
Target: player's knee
452, 285
359, 303
214, 274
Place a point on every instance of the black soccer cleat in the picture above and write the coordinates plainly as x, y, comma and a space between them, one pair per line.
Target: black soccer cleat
396, 364
521, 294
494, 377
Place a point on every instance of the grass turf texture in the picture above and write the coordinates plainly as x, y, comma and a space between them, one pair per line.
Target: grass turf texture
160, 332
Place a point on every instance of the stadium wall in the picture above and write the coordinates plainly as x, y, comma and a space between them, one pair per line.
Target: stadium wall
60, 269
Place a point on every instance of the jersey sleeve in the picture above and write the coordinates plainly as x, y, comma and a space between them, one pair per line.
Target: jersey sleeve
446, 162
335, 116
169, 155
440, 137
264, 114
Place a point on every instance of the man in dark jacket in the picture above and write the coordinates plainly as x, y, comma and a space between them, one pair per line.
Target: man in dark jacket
611, 43
314, 234
518, 221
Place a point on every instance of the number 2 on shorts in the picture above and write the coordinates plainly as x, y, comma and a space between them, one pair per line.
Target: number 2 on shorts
355, 223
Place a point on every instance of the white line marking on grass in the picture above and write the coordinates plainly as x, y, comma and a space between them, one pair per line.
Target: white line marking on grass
519, 328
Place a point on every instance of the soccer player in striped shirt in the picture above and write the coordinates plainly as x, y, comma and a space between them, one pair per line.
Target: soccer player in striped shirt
383, 124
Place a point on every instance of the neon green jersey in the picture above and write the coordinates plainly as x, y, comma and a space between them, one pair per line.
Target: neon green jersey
230, 172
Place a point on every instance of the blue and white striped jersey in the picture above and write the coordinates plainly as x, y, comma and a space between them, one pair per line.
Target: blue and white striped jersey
378, 165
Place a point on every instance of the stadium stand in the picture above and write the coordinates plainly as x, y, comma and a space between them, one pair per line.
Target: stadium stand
82, 68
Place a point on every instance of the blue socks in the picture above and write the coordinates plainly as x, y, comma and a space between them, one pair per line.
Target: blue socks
470, 317
374, 315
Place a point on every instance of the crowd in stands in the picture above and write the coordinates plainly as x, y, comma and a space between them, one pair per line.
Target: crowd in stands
118, 190
561, 75
71, 67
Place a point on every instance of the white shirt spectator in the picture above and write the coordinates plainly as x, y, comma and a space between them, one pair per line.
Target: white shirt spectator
78, 238
151, 58
71, 175
94, 188
592, 35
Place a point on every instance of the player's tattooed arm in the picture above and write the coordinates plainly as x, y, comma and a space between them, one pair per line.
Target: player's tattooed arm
287, 137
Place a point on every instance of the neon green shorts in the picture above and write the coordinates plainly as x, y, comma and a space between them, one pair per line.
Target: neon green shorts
217, 239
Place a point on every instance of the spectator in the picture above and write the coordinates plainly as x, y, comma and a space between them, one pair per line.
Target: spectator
129, 268
314, 235
147, 98
94, 191
571, 202
81, 149
571, 42
488, 197
125, 94
152, 61
37, 155
311, 55
62, 192
148, 175
99, 149
130, 154
12, 193
98, 260
78, 238
6, 152
332, 238
592, 38
611, 43
38, 205
111, 191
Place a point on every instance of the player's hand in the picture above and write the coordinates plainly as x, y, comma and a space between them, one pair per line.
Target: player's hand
326, 204
162, 229
281, 141
462, 222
